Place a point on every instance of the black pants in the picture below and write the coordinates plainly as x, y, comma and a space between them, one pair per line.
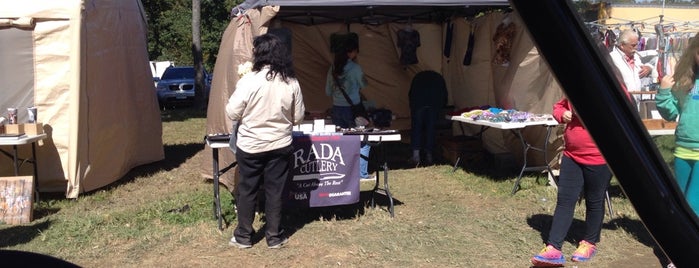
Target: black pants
574, 179
274, 166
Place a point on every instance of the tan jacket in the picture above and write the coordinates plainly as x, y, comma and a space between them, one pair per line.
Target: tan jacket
266, 110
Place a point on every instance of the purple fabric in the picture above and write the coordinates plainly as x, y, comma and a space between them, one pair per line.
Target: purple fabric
325, 171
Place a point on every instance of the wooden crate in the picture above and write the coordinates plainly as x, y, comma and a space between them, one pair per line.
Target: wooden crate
16, 199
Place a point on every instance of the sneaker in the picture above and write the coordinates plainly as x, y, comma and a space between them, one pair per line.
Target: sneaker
235, 243
280, 245
370, 178
549, 257
585, 252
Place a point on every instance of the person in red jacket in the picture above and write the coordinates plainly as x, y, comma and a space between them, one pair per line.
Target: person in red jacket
583, 170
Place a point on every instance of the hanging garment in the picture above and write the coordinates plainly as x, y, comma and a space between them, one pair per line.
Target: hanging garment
469, 48
408, 42
503, 43
447, 39
609, 39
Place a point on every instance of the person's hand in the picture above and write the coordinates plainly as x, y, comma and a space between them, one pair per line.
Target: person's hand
667, 82
567, 116
645, 71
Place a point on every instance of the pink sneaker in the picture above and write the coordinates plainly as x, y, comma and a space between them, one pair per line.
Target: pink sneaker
549, 257
585, 252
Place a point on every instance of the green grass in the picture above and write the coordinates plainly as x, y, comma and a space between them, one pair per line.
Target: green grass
443, 219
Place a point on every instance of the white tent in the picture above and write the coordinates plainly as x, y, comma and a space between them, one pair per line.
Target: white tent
84, 65
524, 84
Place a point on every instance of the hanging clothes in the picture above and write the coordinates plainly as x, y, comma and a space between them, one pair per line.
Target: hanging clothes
448, 39
469, 48
408, 42
609, 39
502, 39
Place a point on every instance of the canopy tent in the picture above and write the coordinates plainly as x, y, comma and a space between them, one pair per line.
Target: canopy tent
84, 65
525, 83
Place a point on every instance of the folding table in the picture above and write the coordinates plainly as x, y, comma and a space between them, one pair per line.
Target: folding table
373, 138
17, 162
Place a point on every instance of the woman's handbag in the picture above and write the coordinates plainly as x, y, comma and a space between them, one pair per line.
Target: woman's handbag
358, 110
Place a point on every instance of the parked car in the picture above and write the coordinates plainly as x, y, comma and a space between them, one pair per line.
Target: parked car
176, 86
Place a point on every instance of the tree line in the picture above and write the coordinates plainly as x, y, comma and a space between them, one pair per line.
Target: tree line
170, 29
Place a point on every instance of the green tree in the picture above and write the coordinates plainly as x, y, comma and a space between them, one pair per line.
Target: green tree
170, 29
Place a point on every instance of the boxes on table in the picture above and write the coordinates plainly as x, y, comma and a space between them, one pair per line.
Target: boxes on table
16, 199
28, 128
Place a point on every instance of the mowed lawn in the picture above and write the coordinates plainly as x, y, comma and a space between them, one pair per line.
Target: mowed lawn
160, 215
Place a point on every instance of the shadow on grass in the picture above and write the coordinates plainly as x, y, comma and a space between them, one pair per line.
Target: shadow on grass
22, 234
480, 163
175, 155
294, 219
180, 113
576, 232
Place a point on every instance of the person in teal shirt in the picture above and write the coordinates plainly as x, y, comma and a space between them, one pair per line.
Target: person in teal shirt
678, 96
347, 74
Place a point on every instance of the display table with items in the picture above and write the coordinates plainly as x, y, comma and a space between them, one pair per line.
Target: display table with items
16, 140
514, 121
325, 167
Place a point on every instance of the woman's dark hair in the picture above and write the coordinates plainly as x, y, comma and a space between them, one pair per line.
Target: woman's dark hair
269, 50
341, 58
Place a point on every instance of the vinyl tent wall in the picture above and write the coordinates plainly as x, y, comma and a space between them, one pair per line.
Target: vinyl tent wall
525, 84
84, 65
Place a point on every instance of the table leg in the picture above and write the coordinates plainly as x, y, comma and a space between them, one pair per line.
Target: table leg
217, 200
15, 159
36, 172
478, 135
384, 166
386, 189
525, 149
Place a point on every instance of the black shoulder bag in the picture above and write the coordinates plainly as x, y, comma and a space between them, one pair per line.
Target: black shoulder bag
358, 110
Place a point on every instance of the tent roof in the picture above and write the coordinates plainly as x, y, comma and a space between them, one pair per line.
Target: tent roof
380, 2
375, 12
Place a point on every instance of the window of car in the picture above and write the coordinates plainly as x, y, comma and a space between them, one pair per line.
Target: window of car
178, 73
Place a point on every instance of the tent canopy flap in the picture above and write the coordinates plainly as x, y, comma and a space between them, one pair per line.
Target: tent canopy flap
373, 12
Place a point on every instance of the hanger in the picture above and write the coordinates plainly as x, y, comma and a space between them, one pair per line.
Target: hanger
409, 25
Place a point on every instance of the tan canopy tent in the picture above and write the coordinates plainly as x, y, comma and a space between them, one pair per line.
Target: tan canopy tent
524, 84
84, 65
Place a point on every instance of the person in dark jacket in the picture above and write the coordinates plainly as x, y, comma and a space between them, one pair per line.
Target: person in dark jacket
427, 97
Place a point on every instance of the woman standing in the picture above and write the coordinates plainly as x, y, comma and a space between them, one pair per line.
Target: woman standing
678, 96
583, 169
267, 102
345, 74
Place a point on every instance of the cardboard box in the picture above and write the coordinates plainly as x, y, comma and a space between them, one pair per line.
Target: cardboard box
29, 129
14, 128
16, 199
33, 128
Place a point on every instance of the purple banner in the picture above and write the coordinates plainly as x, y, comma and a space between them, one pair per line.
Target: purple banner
325, 171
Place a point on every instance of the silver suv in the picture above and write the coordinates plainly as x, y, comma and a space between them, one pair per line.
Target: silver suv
176, 86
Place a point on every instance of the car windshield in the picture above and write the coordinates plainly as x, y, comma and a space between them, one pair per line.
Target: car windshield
178, 73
